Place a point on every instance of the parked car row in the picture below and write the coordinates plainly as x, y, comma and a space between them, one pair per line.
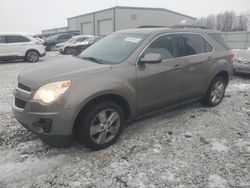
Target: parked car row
51, 41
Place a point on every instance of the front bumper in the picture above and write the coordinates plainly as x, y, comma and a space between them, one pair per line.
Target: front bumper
52, 123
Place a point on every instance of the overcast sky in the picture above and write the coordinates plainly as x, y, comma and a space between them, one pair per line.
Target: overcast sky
32, 16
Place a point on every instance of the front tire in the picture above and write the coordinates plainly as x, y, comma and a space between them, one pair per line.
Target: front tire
216, 92
32, 56
101, 125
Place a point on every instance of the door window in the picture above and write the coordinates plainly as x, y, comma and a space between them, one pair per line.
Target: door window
193, 44
16, 39
167, 46
208, 47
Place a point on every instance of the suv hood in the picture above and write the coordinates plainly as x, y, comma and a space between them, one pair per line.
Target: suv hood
59, 69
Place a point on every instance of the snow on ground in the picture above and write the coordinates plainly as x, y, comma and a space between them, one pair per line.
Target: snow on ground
192, 146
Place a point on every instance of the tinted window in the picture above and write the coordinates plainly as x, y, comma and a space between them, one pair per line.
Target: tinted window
208, 47
1, 39
65, 37
193, 44
15, 39
167, 45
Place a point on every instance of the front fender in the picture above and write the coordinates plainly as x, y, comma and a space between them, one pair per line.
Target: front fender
85, 90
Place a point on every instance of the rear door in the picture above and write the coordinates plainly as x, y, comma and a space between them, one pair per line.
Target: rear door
198, 60
160, 84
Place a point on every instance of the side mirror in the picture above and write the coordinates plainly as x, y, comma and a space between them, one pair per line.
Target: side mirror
151, 58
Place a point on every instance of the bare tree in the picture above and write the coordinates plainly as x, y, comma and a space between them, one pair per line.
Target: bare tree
227, 21
211, 22
242, 23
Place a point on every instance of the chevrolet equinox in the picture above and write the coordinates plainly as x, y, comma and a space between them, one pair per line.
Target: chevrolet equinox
120, 78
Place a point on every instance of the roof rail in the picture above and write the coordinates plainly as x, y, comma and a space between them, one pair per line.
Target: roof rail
189, 26
152, 26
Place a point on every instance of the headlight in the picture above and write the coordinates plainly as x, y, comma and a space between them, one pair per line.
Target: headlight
50, 92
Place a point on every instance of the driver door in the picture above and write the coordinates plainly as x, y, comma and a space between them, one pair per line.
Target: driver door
160, 84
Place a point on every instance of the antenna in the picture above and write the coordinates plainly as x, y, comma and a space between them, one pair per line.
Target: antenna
116, 3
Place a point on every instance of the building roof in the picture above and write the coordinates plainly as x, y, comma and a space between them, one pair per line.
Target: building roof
142, 8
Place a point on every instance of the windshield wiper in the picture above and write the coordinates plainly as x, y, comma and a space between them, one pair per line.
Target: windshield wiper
93, 59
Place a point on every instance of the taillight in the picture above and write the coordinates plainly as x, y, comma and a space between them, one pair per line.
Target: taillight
231, 57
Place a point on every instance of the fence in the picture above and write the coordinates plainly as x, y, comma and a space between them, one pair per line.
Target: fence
237, 40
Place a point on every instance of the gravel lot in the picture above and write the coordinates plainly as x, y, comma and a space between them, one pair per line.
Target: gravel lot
192, 146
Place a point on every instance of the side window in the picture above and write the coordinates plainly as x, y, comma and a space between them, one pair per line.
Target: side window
2, 39
167, 46
208, 47
15, 39
63, 37
193, 44
81, 39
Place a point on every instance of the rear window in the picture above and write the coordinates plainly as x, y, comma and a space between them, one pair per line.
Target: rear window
15, 39
193, 44
219, 39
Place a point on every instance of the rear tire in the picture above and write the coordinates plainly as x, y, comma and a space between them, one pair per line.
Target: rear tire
216, 92
32, 56
100, 125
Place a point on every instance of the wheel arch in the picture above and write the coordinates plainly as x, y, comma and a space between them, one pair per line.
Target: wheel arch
108, 96
32, 49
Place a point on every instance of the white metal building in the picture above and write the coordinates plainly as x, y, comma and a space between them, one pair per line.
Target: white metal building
118, 18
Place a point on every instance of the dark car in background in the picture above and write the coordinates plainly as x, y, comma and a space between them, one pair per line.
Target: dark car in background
51, 41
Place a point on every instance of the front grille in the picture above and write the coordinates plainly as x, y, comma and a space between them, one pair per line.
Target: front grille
19, 103
24, 87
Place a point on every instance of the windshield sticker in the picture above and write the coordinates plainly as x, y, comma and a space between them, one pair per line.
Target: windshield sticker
132, 39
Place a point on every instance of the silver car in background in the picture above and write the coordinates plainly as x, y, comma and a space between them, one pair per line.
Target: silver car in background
64, 47
242, 61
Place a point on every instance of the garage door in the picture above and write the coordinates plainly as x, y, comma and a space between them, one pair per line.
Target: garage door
86, 28
105, 27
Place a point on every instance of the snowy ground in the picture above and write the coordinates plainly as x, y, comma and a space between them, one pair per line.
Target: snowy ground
192, 146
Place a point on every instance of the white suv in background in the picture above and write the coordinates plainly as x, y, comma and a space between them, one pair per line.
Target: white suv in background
19, 46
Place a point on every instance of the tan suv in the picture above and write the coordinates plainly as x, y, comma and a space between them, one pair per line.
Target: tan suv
119, 79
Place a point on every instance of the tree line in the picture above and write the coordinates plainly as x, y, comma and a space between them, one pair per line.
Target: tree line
227, 21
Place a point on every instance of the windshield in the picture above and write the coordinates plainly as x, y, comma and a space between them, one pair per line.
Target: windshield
72, 39
114, 48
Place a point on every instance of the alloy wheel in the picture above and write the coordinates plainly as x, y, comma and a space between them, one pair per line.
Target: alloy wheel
105, 126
